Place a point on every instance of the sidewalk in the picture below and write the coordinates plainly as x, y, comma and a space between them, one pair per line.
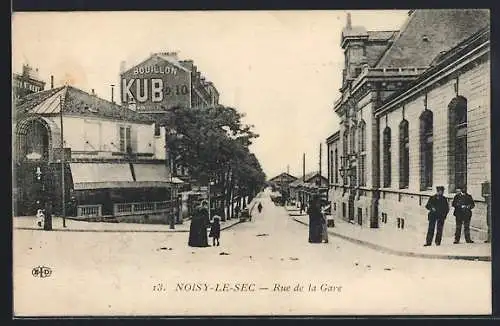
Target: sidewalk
28, 223
401, 242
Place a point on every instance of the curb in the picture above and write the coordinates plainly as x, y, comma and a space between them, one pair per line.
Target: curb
403, 253
116, 231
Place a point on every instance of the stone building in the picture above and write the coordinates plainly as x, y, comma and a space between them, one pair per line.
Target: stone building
415, 114
26, 82
114, 164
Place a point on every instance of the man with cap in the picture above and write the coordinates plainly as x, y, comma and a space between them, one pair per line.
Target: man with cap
463, 204
438, 209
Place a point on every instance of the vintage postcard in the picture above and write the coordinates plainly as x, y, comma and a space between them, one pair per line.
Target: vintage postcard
239, 163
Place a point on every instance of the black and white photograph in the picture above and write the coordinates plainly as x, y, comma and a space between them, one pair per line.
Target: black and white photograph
251, 163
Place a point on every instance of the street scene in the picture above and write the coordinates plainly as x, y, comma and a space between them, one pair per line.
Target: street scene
316, 163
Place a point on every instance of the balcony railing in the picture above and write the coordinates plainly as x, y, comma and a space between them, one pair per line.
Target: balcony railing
141, 208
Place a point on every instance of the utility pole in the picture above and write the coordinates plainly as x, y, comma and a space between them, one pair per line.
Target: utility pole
112, 93
320, 158
304, 167
63, 192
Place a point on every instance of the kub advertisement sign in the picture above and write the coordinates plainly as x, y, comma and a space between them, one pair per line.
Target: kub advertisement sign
156, 85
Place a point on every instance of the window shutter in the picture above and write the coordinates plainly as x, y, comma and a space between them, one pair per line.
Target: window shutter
133, 139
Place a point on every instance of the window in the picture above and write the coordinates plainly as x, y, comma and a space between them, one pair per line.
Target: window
458, 142
362, 136
336, 166
387, 156
404, 154
125, 139
362, 150
157, 129
331, 166
353, 140
426, 149
345, 152
362, 170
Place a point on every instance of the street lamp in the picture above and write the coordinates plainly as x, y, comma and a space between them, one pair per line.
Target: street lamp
210, 183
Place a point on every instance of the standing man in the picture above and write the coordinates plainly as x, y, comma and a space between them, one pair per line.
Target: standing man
438, 209
463, 204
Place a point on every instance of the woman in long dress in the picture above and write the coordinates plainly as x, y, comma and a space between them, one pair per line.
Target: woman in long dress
315, 219
198, 228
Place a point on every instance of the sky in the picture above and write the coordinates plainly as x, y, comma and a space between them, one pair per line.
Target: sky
282, 69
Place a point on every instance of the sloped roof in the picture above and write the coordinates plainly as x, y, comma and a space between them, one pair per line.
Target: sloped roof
307, 178
428, 32
76, 101
283, 174
381, 35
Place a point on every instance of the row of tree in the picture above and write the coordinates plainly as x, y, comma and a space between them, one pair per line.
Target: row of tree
213, 144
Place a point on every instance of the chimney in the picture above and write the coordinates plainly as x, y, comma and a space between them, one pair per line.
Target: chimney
348, 25
51, 81
112, 93
123, 65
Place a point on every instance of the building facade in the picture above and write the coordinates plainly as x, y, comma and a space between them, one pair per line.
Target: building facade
26, 82
302, 189
163, 81
114, 163
413, 117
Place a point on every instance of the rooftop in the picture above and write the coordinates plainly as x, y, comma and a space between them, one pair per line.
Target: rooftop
75, 101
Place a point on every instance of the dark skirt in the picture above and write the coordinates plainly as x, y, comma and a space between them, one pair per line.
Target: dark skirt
197, 234
315, 230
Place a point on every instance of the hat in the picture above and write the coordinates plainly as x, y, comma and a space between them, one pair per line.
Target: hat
438, 188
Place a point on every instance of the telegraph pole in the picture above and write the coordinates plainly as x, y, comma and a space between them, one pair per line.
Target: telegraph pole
63, 192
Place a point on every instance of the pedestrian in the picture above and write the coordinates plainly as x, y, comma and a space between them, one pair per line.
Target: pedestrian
315, 225
198, 228
237, 211
463, 204
302, 207
259, 207
215, 230
438, 209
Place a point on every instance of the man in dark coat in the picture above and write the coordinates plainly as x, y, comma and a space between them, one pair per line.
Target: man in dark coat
198, 228
438, 209
463, 204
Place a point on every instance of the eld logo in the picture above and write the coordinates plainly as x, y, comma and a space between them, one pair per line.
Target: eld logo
41, 271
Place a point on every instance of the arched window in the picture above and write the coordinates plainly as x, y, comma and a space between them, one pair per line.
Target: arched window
362, 152
426, 149
458, 142
353, 140
404, 154
387, 156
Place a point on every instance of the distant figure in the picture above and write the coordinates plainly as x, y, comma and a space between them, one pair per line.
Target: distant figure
237, 211
40, 218
463, 204
259, 207
215, 230
438, 209
302, 207
315, 217
198, 228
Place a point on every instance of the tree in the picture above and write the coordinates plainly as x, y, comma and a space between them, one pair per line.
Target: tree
213, 144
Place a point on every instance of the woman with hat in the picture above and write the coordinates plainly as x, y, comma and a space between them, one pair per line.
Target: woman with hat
198, 228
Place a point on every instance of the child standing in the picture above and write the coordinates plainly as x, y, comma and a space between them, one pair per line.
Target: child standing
215, 230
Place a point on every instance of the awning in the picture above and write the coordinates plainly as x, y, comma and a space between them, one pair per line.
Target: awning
119, 175
151, 172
